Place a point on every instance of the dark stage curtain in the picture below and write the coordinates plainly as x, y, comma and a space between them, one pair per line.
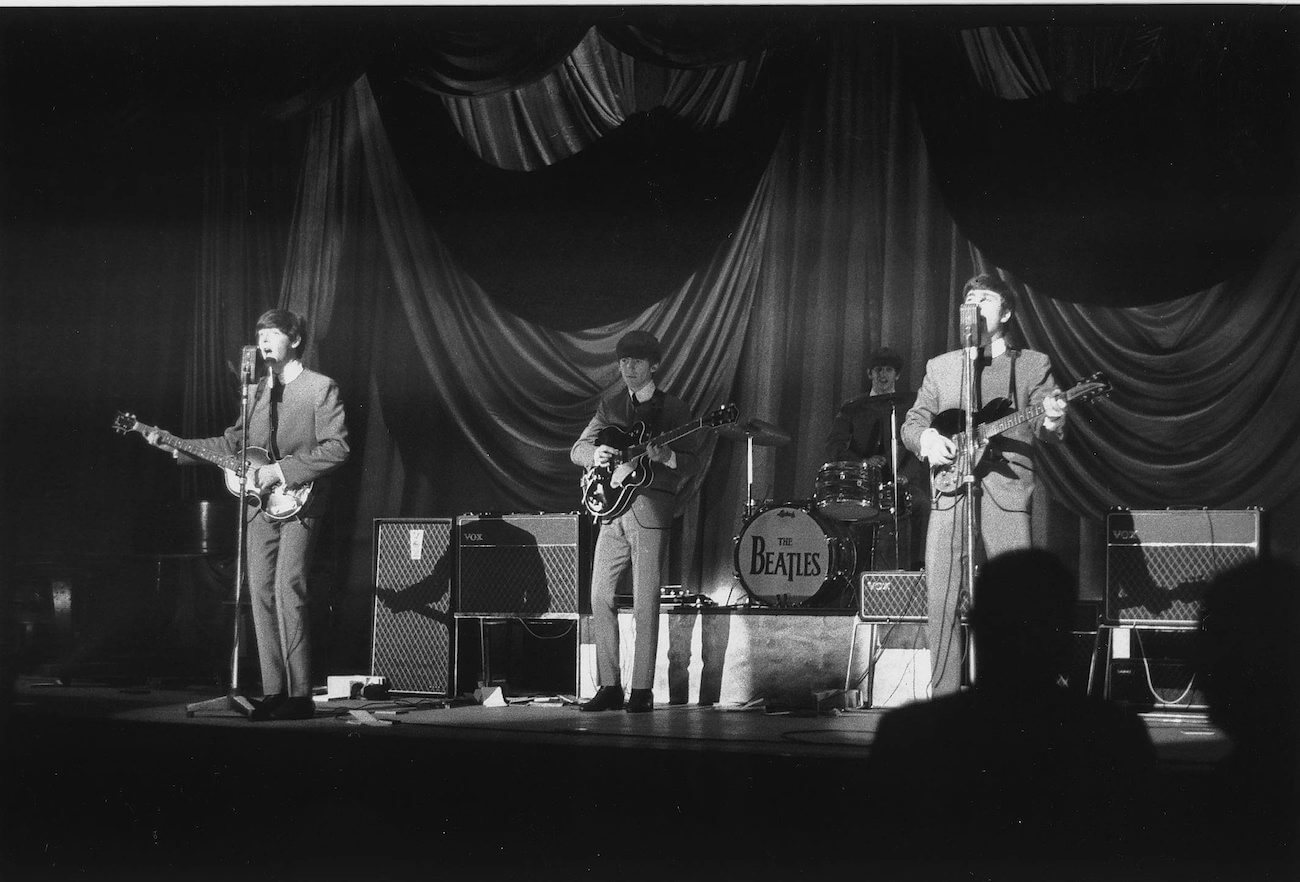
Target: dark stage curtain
838, 214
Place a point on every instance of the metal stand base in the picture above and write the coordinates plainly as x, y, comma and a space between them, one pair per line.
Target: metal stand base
232, 704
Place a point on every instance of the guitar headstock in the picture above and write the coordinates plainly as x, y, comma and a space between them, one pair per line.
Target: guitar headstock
124, 422
723, 416
1093, 386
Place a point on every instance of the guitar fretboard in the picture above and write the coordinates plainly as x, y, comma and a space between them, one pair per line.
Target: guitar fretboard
666, 438
1010, 421
223, 460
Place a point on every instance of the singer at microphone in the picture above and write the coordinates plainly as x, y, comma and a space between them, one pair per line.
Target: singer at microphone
296, 425
1002, 475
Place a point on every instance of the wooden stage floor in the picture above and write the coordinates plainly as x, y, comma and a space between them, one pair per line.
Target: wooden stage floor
114, 782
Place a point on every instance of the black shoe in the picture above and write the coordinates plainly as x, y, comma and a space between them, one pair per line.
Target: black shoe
300, 707
263, 709
641, 701
606, 698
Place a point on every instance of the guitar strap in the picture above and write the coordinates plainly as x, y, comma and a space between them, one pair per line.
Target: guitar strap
1012, 354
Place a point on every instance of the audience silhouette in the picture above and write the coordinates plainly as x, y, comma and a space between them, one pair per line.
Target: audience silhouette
1249, 666
1018, 768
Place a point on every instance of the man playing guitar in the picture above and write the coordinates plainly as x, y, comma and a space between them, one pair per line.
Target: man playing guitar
638, 536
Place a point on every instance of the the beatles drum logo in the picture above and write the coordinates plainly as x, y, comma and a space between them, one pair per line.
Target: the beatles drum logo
785, 561
785, 553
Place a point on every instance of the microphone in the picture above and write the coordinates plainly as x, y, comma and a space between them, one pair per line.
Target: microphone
248, 365
969, 322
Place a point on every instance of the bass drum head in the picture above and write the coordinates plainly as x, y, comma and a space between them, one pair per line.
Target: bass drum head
785, 554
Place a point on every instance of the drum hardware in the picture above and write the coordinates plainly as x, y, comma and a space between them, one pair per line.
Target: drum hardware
762, 433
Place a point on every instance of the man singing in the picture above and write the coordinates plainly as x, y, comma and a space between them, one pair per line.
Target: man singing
1005, 475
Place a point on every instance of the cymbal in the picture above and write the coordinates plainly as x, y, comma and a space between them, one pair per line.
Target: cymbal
763, 433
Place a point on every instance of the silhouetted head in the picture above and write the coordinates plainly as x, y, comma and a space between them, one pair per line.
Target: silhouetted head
1249, 654
1024, 607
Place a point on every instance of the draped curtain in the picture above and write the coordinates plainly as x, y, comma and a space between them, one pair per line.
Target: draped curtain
846, 241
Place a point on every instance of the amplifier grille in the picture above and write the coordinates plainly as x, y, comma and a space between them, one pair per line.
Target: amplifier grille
412, 637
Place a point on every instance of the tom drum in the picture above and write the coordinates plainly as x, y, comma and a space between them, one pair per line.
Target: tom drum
848, 491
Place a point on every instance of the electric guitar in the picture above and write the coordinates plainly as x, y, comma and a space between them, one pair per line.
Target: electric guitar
278, 503
992, 420
608, 490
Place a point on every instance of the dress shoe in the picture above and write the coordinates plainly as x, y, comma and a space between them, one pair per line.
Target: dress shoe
299, 707
606, 698
263, 709
641, 701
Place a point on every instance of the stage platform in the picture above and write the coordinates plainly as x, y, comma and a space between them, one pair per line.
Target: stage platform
118, 782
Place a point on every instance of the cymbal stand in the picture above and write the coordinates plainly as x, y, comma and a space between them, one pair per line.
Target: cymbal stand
234, 700
749, 476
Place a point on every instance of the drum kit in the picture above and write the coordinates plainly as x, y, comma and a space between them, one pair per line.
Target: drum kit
805, 553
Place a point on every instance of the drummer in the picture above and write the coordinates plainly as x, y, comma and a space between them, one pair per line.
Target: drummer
860, 432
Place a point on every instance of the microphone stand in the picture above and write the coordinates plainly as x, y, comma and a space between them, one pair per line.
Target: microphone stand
893, 466
967, 453
234, 700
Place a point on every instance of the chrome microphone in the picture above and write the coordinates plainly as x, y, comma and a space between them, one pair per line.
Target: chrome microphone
969, 324
248, 365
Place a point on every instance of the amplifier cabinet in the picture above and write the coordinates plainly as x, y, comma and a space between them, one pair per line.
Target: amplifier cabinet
411, 643
1160, 563
892, 596
522, 565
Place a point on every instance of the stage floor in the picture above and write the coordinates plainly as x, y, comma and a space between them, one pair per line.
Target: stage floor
109, 782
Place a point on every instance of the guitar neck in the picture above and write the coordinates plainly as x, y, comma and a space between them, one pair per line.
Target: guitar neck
1010, 421
665, 438
198, 451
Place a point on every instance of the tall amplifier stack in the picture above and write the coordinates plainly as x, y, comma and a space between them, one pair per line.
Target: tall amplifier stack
429, 572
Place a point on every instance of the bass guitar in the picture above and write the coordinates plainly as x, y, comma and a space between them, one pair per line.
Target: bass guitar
278, 502
992, 420
608, 490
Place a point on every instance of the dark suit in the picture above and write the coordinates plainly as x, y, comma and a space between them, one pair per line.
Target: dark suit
311, 439
1006, 477
639, 537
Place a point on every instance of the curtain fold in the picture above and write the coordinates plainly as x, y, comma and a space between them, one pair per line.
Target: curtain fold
846, 242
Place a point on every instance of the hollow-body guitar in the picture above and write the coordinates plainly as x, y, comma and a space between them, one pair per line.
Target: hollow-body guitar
608, 490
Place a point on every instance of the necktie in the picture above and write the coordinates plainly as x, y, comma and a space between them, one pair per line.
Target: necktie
273, 400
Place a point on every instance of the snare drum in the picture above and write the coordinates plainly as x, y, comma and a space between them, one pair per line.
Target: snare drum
848, 491
785, 553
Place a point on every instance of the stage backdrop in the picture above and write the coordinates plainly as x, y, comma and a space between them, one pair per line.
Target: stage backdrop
472, 218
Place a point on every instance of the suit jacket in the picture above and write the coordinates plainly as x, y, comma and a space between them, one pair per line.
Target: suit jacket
1025, 378
654, 503
311, 434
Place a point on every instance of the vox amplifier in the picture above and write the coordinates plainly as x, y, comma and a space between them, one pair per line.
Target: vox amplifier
1160, 563
892, 596
522, 565
412, 636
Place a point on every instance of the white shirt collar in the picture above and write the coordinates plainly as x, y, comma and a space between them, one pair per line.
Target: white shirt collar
291, 372
642, 395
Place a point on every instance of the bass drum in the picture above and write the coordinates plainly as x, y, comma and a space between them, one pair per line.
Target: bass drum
786, 553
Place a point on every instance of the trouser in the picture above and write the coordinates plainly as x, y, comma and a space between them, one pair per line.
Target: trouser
624, 542
997, 531
277, 580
